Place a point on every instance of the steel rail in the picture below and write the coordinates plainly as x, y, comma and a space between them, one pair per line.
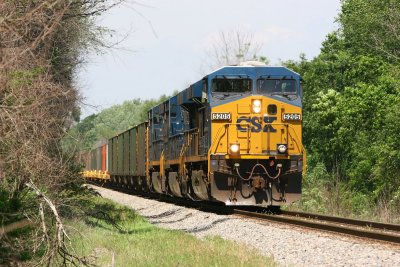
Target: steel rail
364, 232
355, 222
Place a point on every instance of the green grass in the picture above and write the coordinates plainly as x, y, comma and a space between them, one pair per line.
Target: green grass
135, 242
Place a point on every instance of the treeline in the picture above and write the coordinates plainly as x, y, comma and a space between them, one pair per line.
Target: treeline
352, 111
109, 122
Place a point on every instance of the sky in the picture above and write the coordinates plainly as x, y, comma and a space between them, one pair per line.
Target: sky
164, 43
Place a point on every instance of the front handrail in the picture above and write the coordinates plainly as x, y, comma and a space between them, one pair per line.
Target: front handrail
214, 142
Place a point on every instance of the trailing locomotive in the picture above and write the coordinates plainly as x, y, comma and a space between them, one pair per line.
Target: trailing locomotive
235, 137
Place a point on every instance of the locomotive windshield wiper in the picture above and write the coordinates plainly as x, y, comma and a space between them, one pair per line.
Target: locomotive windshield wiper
227, 81
221, 96
286, 95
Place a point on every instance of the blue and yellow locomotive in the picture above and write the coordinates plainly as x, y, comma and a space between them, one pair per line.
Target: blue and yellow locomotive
235, 137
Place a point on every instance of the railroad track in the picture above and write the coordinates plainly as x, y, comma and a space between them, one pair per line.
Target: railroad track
352, 227
358, 228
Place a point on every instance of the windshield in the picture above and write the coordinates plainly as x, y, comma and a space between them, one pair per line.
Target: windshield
229, 85
276, 86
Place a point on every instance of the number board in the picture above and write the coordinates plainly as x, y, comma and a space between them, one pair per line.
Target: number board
291, 117
221, 116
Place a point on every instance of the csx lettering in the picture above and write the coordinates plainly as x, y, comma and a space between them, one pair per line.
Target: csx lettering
268, 127
256, 124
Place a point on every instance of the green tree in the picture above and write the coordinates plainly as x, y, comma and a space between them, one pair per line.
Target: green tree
372, 27
109, 122
351, 101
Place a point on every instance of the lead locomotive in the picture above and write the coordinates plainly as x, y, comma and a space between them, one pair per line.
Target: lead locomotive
232, 137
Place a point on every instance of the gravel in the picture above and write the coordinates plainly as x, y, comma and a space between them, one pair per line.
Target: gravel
287, 245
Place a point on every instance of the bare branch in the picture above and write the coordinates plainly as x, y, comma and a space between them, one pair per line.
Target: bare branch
232, 48
42, 43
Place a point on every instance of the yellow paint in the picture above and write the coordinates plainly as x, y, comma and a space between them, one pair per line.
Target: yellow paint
162, 164
96, 174
253, 144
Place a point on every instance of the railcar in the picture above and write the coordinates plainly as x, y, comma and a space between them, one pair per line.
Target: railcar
234, 136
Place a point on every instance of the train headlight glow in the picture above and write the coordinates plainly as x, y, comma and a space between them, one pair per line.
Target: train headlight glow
234, 149
256, 106
282, 148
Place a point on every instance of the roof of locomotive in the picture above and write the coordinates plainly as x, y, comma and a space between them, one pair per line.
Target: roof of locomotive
250, 71
254, 71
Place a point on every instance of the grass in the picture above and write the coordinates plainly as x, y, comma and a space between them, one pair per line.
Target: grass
132, 241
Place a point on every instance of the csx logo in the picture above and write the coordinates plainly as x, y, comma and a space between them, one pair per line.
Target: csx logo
256, 124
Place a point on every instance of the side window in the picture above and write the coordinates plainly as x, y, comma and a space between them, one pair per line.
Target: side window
173, 111
204, 91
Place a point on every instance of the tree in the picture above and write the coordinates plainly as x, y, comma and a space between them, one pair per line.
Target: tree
108, 123
351, 100
232, 47
42, 43
372, 26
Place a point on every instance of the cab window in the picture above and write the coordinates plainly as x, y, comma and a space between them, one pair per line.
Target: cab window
276, 86
229, 85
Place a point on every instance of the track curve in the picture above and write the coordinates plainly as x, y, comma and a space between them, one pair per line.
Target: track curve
352, 227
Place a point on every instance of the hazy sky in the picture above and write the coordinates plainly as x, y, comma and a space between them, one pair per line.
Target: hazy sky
167, 42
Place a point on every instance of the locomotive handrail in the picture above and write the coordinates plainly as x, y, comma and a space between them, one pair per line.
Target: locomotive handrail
190, 133
176, 135
303, 150
296, 138
213, 143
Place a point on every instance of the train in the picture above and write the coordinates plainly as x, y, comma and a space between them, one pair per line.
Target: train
234, 137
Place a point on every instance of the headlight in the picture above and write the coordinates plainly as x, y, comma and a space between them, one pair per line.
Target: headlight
256, 106
282, 149
234, 149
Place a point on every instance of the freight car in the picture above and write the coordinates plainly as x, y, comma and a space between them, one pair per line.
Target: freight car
235, 137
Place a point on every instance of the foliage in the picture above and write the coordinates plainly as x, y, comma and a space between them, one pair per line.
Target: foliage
108, 123
372, 27
351, 109
42, 43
